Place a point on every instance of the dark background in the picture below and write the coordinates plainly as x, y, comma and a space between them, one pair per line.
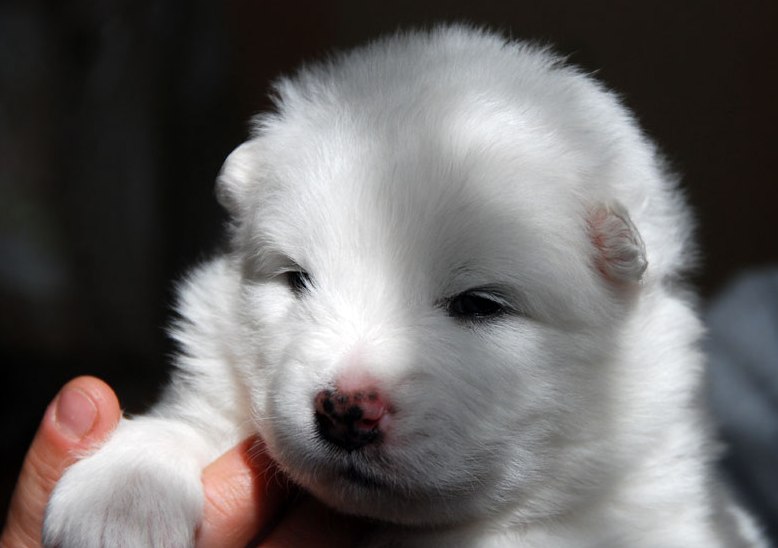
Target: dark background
115, 118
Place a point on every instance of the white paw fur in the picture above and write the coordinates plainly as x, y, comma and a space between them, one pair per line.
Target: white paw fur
142, 488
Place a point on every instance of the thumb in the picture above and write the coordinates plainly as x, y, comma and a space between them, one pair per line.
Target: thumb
83, 413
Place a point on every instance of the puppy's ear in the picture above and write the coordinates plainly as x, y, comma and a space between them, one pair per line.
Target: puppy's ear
620, 254
238, 175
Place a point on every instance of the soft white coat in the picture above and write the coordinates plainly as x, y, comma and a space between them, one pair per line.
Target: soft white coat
399, 177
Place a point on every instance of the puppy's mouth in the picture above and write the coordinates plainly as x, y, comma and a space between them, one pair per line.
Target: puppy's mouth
351, 474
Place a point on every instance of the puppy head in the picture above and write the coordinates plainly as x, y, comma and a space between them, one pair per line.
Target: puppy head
435, 266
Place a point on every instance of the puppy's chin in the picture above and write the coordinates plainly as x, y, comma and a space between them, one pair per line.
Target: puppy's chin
412, 483
356, 489
384, 481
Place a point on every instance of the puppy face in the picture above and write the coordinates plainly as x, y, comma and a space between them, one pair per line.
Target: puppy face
428, 300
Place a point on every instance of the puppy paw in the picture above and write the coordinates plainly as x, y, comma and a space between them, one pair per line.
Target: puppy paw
126, 495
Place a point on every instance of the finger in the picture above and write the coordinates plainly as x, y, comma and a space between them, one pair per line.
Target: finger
83, 413
311, 524
244, 493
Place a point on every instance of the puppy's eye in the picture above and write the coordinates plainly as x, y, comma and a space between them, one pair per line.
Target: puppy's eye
298, 281
474, 305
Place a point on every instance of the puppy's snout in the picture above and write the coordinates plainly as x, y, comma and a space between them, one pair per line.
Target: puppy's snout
351, 419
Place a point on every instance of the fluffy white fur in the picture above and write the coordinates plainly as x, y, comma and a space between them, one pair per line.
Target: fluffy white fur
399, 176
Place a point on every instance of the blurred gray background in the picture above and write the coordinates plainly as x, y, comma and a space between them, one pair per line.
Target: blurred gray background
115, 117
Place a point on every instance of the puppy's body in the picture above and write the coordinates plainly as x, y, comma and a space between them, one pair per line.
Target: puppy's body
449, 305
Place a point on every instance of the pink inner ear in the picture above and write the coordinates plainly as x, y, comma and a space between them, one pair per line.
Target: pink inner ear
621, 254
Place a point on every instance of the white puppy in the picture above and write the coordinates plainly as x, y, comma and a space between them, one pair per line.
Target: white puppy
451, 304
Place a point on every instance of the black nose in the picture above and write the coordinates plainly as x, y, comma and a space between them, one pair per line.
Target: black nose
348, 420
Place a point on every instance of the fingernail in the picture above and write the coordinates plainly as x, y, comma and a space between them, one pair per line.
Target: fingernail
76, 413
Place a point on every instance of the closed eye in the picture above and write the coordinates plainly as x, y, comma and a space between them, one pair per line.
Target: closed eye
475, 304
299, 281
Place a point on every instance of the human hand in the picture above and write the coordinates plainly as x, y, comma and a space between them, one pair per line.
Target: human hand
245, 495
81, 416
